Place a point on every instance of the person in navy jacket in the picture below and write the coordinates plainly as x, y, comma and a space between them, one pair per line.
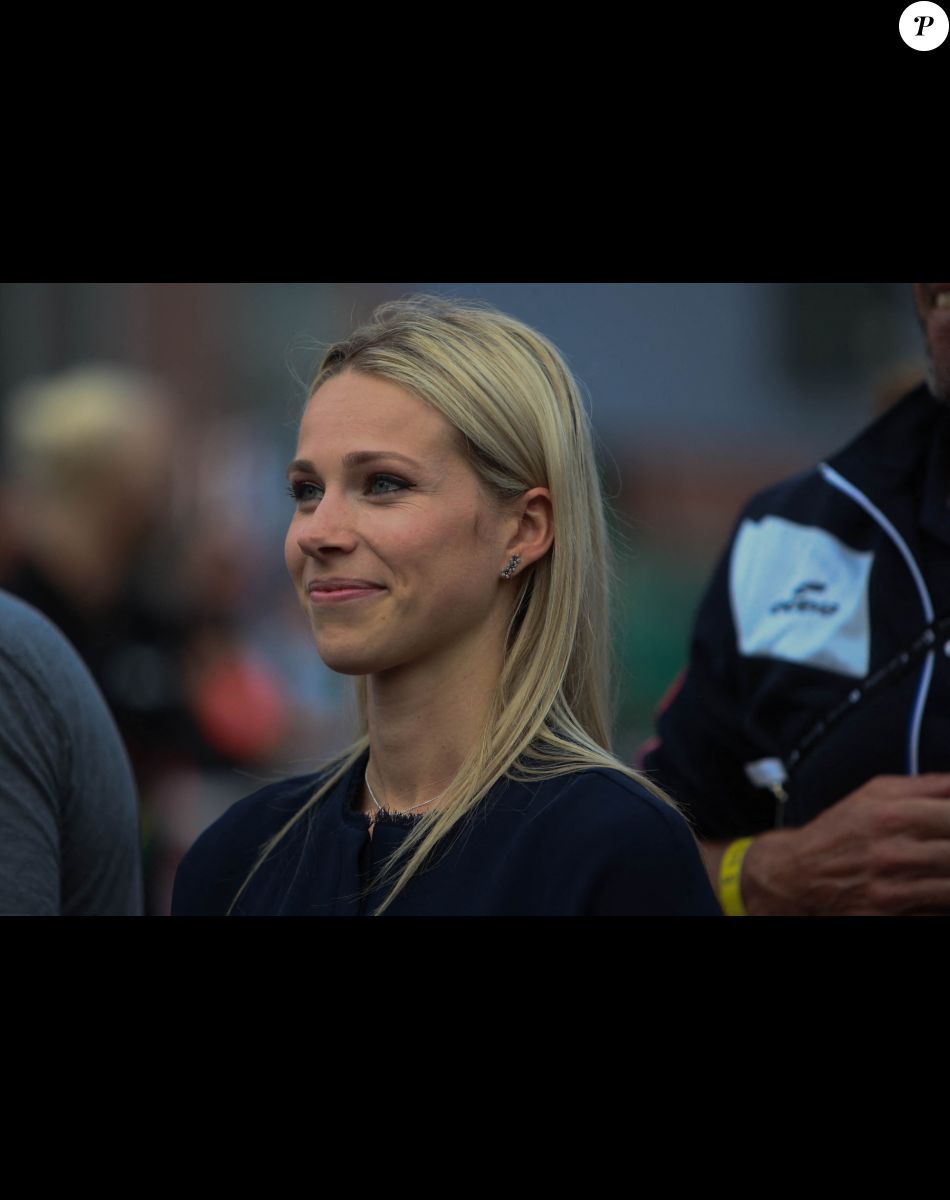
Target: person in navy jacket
449, 547
810, 738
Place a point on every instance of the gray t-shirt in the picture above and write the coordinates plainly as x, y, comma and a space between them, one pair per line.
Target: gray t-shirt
69, 830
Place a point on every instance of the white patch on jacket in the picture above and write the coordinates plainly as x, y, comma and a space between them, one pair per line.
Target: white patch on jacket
801, 595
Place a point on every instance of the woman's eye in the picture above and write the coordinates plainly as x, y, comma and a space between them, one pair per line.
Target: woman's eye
305, 493
381, 485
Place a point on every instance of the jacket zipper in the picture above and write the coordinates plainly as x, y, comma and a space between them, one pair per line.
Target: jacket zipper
917, 715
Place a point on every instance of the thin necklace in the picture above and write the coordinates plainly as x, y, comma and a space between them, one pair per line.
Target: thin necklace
379, 807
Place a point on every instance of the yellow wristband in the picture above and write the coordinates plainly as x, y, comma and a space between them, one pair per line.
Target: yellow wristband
730, 876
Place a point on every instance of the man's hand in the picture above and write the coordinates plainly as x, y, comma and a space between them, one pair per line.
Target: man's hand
884, 850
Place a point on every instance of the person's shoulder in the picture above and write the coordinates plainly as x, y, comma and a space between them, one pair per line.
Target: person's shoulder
601, 798
46, 674
634, 850
30, 639
898, 430
260, 814
609, 784
218, 862
879, 456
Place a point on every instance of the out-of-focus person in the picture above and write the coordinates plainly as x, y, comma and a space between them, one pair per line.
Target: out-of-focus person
810, 737
69, 832
88, 470
101, 536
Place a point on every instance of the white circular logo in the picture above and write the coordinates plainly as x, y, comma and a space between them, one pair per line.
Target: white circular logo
924, 25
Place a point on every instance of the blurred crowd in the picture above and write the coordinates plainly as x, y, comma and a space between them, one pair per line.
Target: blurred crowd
135, 529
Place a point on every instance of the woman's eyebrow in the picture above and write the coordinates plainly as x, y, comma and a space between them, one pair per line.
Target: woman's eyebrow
356, 458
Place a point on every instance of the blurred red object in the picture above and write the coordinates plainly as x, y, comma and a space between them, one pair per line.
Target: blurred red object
240, 708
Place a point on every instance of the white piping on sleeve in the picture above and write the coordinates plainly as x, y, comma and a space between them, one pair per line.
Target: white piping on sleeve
917, 716
914, 741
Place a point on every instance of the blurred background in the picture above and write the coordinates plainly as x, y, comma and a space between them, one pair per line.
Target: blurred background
146, 428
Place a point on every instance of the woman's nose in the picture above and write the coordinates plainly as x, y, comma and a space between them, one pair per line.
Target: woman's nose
328, 527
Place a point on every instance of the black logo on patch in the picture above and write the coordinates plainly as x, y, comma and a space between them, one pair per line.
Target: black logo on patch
801, 602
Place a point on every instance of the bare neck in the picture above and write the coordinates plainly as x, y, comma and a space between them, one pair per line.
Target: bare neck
425, 719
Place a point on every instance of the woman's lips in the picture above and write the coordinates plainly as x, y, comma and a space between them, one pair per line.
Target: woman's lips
337, 592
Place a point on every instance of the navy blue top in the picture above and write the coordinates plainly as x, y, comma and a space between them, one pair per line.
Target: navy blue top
593, 843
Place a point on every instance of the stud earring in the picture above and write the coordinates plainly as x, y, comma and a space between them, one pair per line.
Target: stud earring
512, 566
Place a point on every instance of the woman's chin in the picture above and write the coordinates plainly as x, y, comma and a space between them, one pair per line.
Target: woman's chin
347, 659
347, 664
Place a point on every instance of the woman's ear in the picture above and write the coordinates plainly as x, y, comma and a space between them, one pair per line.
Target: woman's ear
534, 534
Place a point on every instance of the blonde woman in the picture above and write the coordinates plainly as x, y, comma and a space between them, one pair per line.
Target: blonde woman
449, 546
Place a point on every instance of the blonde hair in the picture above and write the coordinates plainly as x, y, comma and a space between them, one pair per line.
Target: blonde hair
522, 423
75, 426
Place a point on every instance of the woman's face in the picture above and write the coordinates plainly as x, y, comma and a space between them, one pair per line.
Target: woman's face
394, 548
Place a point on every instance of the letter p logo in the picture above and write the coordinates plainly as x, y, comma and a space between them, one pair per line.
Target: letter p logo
924, 25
